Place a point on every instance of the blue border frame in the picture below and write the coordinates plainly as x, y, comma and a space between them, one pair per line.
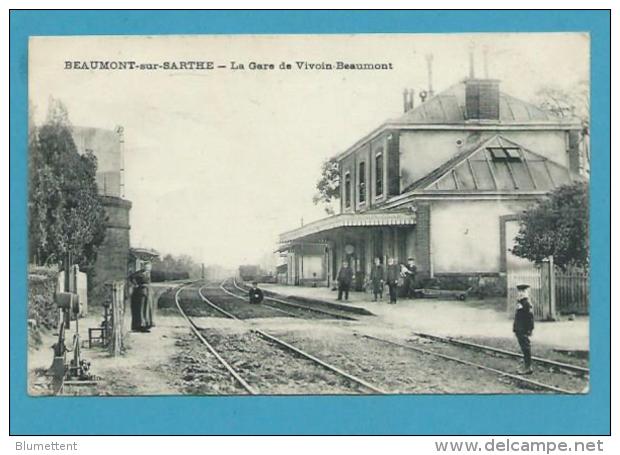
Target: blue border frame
438, 415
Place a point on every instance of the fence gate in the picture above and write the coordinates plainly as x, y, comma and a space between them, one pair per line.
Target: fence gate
117, 316
541, 279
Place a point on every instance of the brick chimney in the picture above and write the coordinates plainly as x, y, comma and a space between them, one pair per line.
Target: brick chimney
482, 99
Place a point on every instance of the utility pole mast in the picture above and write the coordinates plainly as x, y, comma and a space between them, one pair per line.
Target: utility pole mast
121, 141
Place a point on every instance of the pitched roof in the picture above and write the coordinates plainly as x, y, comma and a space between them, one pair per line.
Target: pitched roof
448, 107
494, 163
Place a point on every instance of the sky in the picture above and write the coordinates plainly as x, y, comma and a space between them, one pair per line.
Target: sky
219, 162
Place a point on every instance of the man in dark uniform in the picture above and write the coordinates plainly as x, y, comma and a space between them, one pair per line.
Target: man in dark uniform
524, 325
345, 278
377, 278
409, 270
391, 278
255, 294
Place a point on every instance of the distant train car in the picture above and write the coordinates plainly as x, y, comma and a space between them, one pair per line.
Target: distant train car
250, 272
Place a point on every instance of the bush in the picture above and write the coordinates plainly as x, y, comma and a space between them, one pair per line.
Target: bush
42, 310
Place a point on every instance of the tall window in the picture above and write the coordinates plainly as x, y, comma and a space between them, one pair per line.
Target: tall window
347, 190
362, 182
379, 174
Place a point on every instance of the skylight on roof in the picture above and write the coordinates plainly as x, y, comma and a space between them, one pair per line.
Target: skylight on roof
504, 153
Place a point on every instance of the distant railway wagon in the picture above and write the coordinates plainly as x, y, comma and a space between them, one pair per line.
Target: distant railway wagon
250, 272
255, 273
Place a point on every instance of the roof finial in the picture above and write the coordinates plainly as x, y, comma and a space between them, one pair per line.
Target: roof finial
429, 67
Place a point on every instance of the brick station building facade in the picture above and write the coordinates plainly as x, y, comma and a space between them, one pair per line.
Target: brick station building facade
444, 184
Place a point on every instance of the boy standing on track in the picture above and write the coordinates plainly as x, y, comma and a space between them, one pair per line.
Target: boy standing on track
524, 325
255, 294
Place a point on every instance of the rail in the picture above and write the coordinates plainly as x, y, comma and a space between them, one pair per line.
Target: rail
514, 377
481, 347
295, 349
292, 305
211, 349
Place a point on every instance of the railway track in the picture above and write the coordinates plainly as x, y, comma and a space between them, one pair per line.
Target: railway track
360, 384
277, 303
513, 377
489, 367
195, 330
519, 379
560, 366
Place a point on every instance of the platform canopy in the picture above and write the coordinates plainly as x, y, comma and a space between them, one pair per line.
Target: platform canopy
350, 220
143, 254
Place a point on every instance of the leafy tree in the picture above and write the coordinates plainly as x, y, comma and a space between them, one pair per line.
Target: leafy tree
557, 226
175, 268
65, 210
328, 185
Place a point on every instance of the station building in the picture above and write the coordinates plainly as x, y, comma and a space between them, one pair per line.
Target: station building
444, 183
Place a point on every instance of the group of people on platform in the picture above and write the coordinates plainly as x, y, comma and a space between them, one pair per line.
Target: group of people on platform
391, 276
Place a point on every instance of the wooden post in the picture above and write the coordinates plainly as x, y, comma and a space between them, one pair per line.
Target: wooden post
117, 317
547, 289
552, 306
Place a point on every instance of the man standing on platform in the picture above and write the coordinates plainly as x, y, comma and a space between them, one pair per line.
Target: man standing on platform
409, 271
345, 278
392, 274
377, 278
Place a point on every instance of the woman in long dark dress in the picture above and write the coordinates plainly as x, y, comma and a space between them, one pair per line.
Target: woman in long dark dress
139, 300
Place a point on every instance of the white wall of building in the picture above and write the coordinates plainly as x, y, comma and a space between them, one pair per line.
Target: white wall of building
465, 235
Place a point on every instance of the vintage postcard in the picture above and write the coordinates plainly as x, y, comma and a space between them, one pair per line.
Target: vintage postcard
309, 214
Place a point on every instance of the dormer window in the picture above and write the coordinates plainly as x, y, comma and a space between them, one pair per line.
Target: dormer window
505, 153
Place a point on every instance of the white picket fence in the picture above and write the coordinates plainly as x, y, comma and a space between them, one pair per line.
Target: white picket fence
552, 291
540, 281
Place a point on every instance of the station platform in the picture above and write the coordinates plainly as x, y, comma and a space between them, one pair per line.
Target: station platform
471, 318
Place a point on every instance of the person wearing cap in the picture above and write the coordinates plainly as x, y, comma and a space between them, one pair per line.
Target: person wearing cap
255, 293
524, 325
